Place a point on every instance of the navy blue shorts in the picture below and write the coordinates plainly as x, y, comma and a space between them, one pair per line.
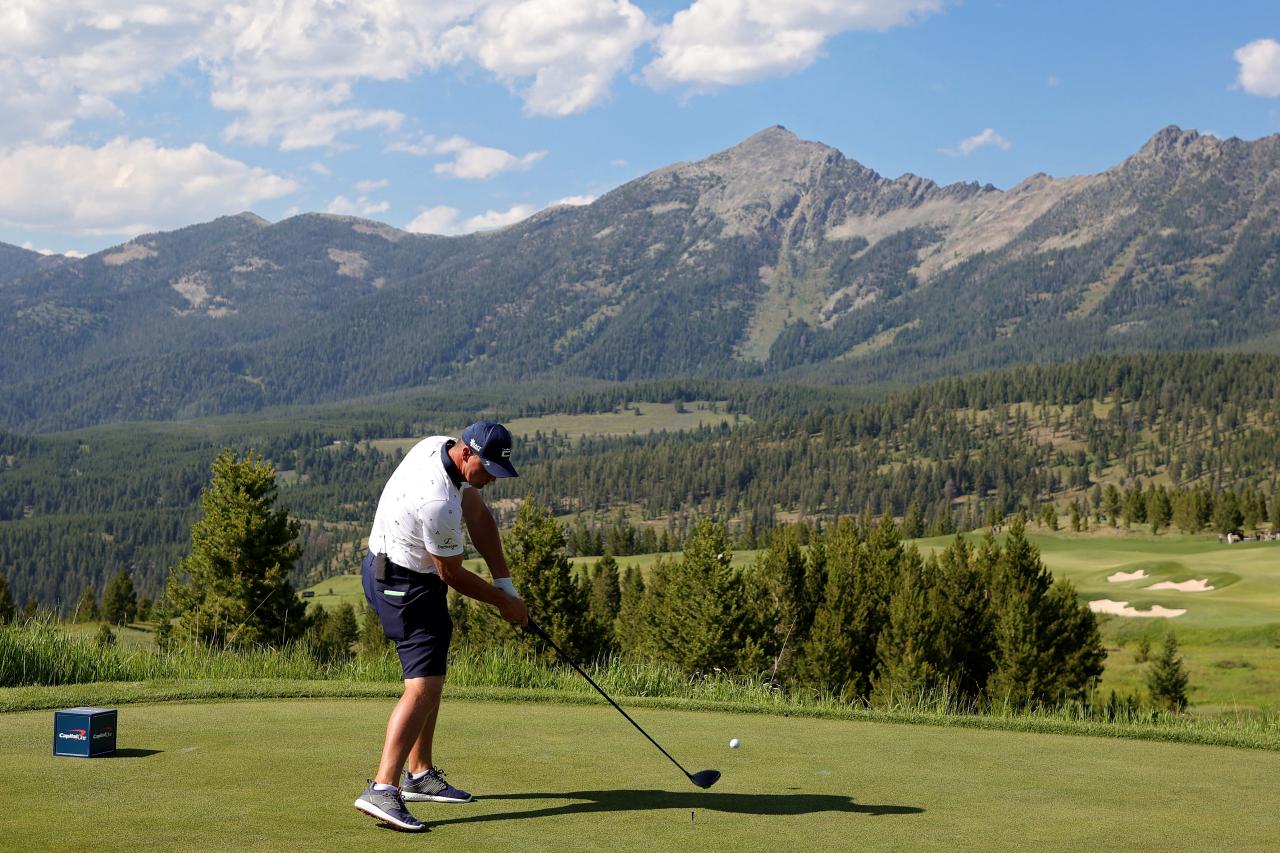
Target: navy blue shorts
414, 610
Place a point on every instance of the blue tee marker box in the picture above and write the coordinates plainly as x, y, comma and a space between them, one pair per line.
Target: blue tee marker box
84, 732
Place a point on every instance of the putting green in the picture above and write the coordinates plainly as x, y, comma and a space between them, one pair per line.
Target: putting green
282, 774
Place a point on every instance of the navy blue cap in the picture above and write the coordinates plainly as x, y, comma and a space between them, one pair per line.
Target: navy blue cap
492, 443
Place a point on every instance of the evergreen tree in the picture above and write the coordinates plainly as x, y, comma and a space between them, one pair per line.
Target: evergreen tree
236, 590
8, 610
694, 613
1167, 679
913, 522
542, 572
966, 632
1227, 517
840, 656
119, 600
1047, 644
87, 608
331, 635
910, 660
630, 630
371, 642
783, 606
144, 608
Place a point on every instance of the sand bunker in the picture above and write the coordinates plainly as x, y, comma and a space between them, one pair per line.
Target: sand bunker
1127, 576
1122, 608
1186, 586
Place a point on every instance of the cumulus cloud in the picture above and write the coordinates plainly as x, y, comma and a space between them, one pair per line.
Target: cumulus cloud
560, 55
127, 186
370, 186
70, 253
729, 42
574, 200
440, 219
1259, 67
287, 69
987, 139
446, 220
478, 162
362, 206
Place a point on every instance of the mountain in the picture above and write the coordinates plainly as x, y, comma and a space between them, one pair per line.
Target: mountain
777, 257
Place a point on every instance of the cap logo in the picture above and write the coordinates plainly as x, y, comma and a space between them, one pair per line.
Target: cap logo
506, 454
475, 445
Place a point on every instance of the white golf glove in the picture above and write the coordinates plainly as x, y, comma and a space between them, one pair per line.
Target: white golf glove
506, 586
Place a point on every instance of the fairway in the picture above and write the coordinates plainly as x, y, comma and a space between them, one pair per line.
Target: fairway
282, 774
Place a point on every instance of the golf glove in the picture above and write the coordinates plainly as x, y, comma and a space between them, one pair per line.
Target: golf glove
506, 586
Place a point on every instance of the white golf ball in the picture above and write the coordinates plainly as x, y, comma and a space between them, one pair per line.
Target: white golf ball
735, 743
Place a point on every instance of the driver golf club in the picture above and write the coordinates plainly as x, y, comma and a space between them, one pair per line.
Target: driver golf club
703, 778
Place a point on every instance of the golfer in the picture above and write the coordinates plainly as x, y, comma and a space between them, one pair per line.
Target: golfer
415, 555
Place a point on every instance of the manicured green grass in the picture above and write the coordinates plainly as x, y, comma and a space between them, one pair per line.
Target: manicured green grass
282, 774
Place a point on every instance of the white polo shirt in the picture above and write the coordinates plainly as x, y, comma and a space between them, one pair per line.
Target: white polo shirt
420, 511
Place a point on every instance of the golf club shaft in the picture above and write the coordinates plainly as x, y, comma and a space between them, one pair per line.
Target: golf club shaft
537, 629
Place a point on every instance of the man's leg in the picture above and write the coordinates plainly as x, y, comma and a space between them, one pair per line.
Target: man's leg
406, 725
420, 755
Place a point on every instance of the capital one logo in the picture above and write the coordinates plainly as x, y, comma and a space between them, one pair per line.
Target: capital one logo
106, 732
73, 734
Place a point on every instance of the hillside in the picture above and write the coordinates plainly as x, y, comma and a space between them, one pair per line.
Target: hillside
777, 258
958, 450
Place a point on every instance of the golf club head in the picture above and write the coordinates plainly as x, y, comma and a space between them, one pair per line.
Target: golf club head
705, 778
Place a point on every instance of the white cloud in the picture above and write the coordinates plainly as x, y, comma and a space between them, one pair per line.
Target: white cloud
362, 206
1260, 67
127, 186
443, 219
321, 169
370, 186
492, 219
561, 55
477, 162
300, 115
988, 138
70, 253
440, 219
730, 42
574, 200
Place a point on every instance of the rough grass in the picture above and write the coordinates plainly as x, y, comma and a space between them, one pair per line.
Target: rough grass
42, 667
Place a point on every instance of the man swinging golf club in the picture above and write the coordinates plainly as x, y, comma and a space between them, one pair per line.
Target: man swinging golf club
415, 555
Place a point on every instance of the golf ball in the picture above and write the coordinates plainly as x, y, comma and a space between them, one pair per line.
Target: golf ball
734, 743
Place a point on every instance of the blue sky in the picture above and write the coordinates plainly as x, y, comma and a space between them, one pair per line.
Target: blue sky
124, 117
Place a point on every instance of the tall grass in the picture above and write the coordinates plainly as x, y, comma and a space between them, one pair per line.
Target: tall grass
39, 653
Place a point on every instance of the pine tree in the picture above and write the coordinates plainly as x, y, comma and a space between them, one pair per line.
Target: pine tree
784, 605
840, 656
1167, 679
910, 659
87, 609
8, 609
119, 600
694, 613
535, 550
236, 590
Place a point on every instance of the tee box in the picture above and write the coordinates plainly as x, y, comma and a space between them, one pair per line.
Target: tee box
84, 732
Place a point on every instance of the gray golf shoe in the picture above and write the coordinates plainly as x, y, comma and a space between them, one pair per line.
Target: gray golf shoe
431, 787
388, 806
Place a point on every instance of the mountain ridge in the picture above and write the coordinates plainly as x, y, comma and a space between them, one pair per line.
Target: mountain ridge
774, 257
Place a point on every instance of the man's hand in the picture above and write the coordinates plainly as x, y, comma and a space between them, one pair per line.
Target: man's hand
514, 611
506, 586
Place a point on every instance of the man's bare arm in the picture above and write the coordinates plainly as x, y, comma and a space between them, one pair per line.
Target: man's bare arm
484, 533
470, 584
